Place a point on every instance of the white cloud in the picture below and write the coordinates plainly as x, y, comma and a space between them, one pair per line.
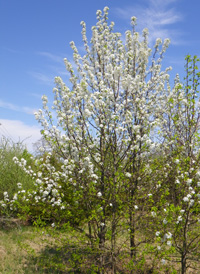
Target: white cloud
51, 56
157, 16
60, 70
11, 106
158, 3
18, 131
36, 95
54, 67
47, 80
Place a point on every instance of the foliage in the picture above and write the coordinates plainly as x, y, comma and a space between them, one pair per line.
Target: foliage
180, 173
10, 173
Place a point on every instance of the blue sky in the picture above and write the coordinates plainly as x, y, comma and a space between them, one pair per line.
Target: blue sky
35, 37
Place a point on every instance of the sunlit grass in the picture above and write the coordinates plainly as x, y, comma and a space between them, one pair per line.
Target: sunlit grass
27, 249
13, 258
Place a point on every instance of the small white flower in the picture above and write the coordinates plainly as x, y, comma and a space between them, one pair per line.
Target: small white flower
53, 225
169, 243
45, 193
189, 181
38, 181
15, 159
157, 233
179, 219
99, 194
41, 149
57, 202
185, 199
127, 174
54, 192
153, 213
167, 235
198, 173
136, 207
159, 247
19, 185
94, 176
191, 202
39, 174
163, 261
165, 222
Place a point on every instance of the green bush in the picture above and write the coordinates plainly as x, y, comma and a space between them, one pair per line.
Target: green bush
10, 173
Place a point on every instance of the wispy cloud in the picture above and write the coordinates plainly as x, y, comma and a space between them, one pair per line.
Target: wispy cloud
36, 95
17, 131
11, 106
54, 66
47, 80
51, 56
157, 16
12, 50
59, 70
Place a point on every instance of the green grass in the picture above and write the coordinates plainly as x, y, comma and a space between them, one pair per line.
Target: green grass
27, 250
13, 258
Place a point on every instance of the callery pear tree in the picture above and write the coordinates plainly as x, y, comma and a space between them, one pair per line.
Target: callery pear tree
105, 121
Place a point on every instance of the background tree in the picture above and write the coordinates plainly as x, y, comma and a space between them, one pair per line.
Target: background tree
180, 124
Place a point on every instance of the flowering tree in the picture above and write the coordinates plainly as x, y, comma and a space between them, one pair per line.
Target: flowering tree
105, 123
179, 131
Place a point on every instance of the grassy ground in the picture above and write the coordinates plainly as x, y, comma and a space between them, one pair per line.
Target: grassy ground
15, 252
26, 250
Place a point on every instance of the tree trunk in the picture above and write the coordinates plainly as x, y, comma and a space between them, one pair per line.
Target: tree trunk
183, 263
102, 248
132, 237
113, 244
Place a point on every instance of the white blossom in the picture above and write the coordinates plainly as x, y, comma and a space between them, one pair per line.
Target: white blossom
165, 221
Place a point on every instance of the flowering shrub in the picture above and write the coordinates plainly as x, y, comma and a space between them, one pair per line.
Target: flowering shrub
11, 174
178, 174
